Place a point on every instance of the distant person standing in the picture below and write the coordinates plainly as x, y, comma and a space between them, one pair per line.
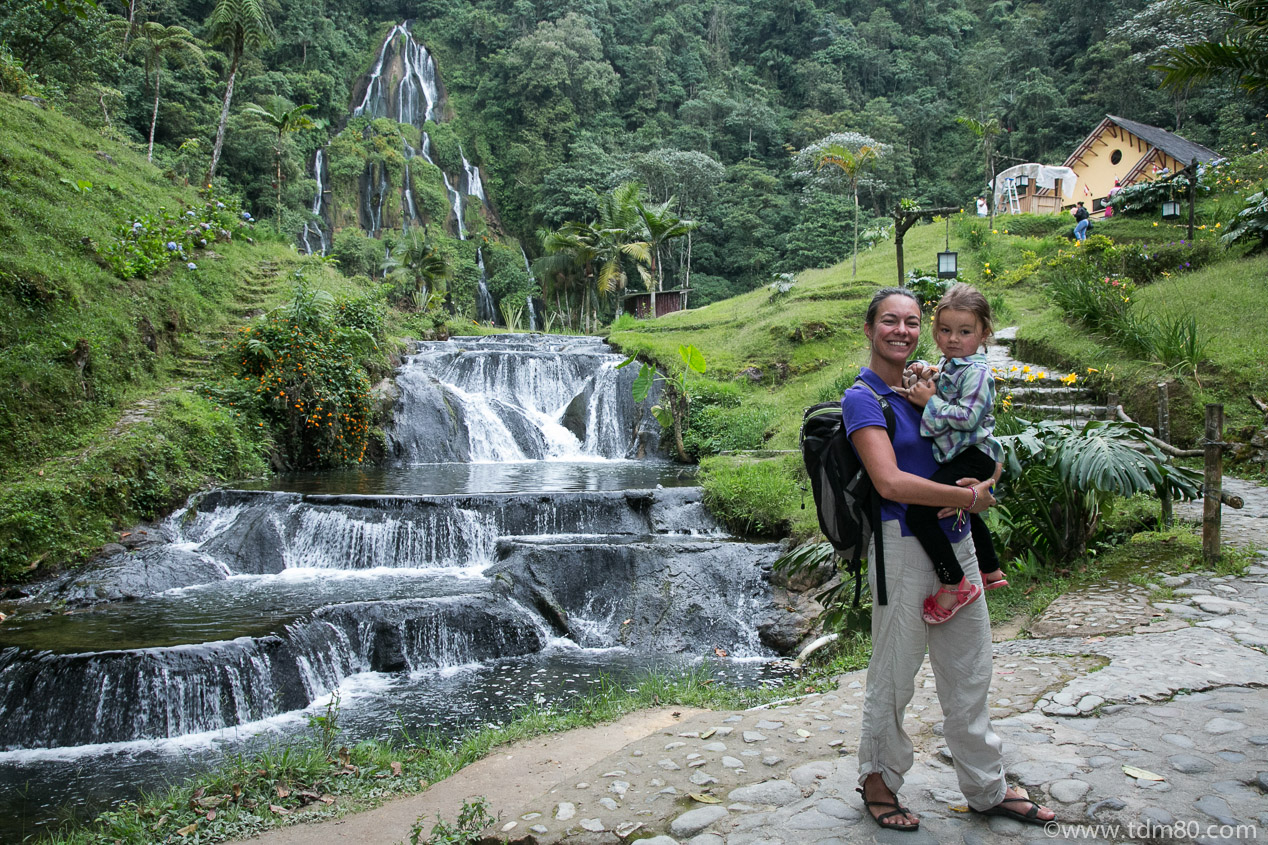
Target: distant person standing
1109, 209
982, 208
1080, 222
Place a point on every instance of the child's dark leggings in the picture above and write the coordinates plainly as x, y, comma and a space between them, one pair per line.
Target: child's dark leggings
923, 520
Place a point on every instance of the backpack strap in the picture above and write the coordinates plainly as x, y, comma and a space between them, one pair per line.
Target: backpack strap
882, 595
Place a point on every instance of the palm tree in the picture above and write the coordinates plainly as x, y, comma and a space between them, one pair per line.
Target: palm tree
618, 234
660, 225
159, 45
285, 121
1243, 52
569, 254
986, 130
237, 24
418, 263
851, 163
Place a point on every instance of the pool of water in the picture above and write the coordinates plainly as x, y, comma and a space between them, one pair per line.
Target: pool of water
506, 477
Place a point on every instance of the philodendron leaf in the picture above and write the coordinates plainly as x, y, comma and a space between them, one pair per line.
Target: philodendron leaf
643, 383
663, 416
692, 357
626, 362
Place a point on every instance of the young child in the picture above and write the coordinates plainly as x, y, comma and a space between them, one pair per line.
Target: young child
958, 400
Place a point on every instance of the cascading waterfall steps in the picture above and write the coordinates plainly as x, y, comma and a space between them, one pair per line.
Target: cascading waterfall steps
530, 397
436, 595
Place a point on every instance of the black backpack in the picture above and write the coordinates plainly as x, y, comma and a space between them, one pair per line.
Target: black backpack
847, 504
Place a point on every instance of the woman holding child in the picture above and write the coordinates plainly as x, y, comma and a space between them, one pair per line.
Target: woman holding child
958, 641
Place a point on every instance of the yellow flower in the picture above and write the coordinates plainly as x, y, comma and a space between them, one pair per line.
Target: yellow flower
1217, 225
1026, 369
994, 231
1155, 225
1042, 375
1093, 370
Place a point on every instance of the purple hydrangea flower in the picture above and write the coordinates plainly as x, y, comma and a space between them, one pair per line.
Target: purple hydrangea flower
191, 266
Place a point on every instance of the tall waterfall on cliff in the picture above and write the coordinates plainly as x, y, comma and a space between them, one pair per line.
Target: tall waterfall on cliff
403, 85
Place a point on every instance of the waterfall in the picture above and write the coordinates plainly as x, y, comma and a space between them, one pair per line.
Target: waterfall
534, 322
485, 312
514, 398
413, 100
455, 202
317, 227
407, 194
472, 185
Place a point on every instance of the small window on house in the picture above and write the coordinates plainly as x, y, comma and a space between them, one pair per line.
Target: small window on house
1116, 156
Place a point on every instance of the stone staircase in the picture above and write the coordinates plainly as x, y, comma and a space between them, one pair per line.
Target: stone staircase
1038, 392
196, 352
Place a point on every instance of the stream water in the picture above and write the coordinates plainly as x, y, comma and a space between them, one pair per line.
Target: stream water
524, 543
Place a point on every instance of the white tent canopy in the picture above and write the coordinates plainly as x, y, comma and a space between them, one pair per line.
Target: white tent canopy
1043, 176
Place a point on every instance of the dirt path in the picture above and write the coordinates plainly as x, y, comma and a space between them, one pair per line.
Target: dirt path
509, 779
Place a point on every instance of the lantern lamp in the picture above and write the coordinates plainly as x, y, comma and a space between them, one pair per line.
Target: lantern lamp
1170, 210
947, 268
1023, 182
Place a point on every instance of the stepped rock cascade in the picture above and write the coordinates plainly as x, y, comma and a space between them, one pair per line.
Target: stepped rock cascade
518, 397
251, 608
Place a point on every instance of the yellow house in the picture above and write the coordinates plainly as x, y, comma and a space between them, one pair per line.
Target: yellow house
1130, 152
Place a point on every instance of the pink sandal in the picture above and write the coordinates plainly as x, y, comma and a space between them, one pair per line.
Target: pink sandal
994, 585
965, 594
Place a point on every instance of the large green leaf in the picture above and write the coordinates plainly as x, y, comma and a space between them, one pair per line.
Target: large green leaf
643, 384
692, 357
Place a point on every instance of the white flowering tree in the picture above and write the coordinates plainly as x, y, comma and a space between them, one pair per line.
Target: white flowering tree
841, 156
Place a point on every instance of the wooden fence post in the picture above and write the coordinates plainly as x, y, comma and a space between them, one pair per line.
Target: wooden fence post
1213, 482
1164, 434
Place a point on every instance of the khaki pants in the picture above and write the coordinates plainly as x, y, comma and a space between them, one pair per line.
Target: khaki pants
960, 653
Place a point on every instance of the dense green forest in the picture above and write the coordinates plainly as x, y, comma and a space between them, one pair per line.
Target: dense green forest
703, 103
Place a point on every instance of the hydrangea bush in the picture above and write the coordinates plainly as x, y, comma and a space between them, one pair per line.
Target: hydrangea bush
146, 244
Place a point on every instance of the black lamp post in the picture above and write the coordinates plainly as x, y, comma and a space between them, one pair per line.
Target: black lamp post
947, 259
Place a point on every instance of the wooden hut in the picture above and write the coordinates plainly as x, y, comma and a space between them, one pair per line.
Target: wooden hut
1130, 152
654, 303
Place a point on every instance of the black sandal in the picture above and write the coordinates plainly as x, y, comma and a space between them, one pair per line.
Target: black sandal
882, 819
1031, 816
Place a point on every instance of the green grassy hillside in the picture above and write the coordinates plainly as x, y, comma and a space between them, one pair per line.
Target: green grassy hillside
102, 419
